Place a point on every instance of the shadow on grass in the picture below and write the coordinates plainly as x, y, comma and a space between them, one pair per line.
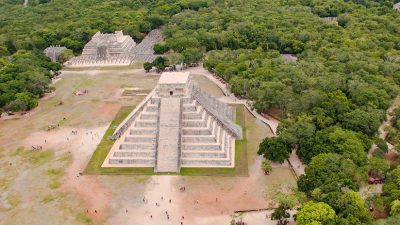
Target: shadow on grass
98, 157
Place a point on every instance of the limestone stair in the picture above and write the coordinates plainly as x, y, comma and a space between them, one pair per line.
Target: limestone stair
138, 147
204, 142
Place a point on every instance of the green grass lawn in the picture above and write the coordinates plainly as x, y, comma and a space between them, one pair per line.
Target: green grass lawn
98, 157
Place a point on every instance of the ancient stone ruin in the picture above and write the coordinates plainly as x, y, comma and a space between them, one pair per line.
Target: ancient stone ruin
397, 7
116, 49
105, 49
144, 52
176, 125
53, 52
289, 58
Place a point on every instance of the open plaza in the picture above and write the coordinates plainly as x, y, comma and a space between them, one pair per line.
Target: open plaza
54, 178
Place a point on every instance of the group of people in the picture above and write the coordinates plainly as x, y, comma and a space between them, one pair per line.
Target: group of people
144, 200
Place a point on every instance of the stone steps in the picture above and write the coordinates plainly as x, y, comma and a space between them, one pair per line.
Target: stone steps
145, 146
135, 161
199, 139
199, 162
136, 154
135, 139
203, 131
200, 147
143, 131
202, 155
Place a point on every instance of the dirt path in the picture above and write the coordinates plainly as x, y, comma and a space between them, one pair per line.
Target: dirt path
231, 99
386, 123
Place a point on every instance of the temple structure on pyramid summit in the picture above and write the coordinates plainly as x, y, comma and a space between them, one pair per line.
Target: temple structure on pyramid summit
177, 125
116, 49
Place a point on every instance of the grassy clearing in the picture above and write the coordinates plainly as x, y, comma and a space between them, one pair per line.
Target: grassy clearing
82, 218
36, 157
98, 157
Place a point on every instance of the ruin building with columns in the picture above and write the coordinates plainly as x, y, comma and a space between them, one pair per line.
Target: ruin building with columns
116, 49
177, 125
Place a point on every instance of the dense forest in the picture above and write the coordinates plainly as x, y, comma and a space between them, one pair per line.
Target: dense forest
26, 31
331, 101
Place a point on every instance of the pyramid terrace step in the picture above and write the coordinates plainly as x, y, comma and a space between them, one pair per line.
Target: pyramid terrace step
145, 124
205, 162
152, 108
148, 116
199, 139
140, 139
192, 116
203, 154
142, 131
200, 147
141, 154
187, 100
189, 108
137, 147
194, 123
204, 131
132, 161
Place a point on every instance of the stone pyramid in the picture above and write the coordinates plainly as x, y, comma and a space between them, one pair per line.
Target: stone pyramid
176, 125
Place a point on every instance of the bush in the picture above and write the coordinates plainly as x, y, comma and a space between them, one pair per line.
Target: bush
24, 101
160, 48
147, 66
266, 166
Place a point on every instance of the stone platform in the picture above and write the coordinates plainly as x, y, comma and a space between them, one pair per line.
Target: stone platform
176, 126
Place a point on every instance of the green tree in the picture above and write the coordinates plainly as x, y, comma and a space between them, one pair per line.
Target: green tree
274, 149
315, 213
147, 66
175, 59
331, 172
160, 63
266, 166
160, 48
23, 101
65, 55
395, 207
192, 55
378, 167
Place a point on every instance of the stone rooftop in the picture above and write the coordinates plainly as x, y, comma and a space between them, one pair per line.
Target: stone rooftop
174, 78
